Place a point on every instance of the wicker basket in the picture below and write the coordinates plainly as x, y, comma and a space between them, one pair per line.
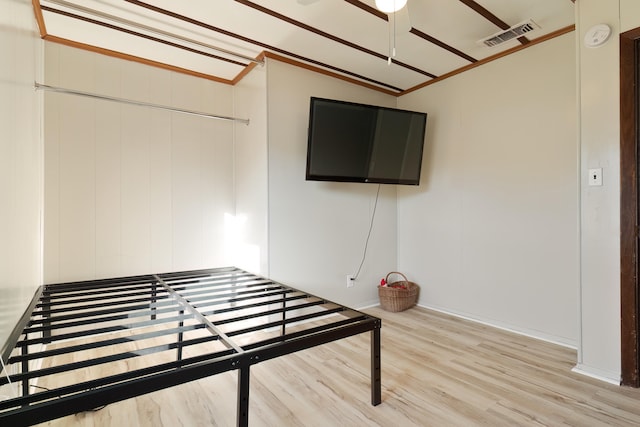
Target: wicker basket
398, 299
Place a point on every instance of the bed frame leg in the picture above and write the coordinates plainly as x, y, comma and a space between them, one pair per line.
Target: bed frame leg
154, 294
376, 381
25, 368
46, 306
180, 336
243, 397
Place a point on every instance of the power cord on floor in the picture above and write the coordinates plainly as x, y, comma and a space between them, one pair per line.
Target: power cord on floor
77, 413
40, 387
94, 409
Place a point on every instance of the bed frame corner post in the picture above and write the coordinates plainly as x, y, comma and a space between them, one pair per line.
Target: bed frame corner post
243, 396
46, 307
376, 380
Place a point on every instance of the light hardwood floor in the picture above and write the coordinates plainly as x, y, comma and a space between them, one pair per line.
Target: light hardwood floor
437, 370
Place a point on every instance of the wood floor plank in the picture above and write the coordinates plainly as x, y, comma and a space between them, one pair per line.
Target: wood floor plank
437, 370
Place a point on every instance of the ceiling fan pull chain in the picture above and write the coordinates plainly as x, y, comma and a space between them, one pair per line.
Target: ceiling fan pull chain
390, 41
394, 28
392, 38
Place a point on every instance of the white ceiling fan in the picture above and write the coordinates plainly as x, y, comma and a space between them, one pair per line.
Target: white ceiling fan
396, 10
398, 17
398, 13
399, 21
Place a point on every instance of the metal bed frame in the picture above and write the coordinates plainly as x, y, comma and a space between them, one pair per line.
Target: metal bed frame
172, 328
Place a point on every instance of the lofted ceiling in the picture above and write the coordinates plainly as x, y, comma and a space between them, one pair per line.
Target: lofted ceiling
349, 39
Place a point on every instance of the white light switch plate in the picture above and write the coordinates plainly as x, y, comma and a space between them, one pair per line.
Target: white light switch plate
595, 177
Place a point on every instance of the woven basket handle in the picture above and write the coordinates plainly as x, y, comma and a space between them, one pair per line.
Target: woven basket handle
398, 273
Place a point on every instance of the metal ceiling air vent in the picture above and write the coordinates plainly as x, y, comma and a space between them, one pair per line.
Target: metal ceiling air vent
510, 34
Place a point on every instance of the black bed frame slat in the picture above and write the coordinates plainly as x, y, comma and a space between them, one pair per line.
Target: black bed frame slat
199, 283
54, 311
283, 322
223, 321
93, 296
111, 379
103, 330
229, 290
104, 319
228, 302
75, 293
236, 296
103, 343
106, 359
298, 334
207, 272
98, 284
119, 309
206, 302
287, 299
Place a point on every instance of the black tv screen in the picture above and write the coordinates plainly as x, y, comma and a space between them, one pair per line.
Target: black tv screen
352, 142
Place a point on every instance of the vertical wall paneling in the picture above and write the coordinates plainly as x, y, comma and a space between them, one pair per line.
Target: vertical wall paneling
160, 173
138, 189
187, 207
77, 186
108, 171
51, 235
21, 168
247, 234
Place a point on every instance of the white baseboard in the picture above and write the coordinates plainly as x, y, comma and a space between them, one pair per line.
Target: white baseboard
371, 305
598, 374
509, 328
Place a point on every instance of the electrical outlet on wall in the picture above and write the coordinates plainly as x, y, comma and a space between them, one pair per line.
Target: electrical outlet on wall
350, 281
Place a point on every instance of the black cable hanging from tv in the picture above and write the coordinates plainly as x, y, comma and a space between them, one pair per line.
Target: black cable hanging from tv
366, 243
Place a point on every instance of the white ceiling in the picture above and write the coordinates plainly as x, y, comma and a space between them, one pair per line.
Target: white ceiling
345, 37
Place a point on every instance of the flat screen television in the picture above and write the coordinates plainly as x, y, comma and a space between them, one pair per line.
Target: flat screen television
351, 142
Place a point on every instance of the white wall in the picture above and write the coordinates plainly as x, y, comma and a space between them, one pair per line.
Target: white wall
251, 176
317, 230
599, 128
20, 162
131, 189
491, 233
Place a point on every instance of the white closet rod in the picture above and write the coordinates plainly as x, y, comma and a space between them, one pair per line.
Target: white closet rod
39, 86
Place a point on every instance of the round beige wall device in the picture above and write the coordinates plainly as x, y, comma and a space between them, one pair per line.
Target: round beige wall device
597, 35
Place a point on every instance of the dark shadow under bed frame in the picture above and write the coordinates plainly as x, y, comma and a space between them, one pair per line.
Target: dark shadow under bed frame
250, 318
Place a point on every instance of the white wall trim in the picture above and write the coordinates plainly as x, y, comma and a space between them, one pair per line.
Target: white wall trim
598, 374
366, 306
509, 328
